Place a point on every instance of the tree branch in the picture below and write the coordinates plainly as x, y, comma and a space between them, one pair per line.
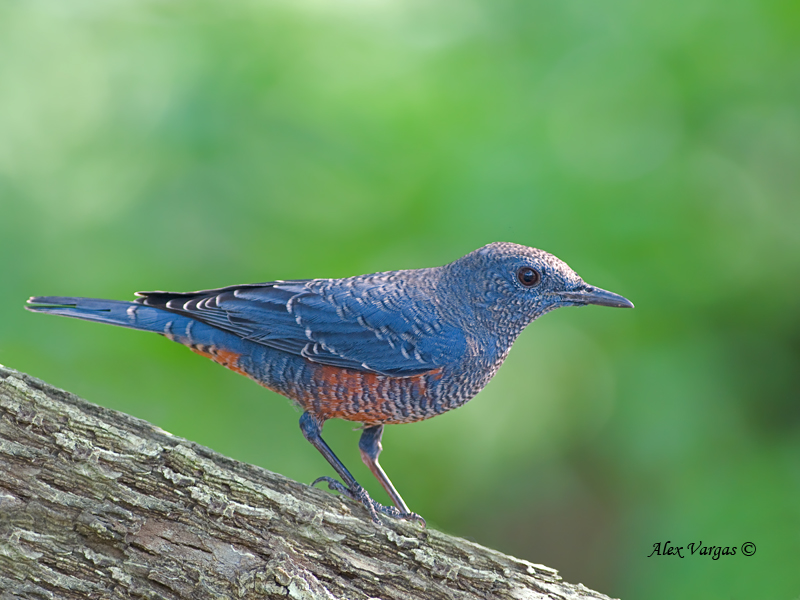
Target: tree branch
97, 504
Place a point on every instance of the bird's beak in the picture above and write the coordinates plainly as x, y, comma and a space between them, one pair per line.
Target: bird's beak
592, 295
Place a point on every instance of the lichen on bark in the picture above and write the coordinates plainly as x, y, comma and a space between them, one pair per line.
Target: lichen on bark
98, 504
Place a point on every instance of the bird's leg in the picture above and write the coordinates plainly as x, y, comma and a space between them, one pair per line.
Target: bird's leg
311, 426
370, 446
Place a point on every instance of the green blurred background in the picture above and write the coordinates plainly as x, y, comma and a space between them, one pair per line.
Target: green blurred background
655, 147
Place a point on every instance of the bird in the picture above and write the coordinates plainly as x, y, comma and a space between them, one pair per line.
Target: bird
385, 348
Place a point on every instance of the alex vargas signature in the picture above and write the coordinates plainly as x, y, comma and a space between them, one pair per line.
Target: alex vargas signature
698, 548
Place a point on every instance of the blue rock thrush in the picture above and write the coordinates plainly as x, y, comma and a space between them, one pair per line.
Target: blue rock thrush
392, 347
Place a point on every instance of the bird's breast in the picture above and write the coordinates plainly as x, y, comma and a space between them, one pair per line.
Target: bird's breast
337, 393
372, 398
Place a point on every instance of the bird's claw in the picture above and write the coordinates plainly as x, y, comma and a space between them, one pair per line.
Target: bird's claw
359, 494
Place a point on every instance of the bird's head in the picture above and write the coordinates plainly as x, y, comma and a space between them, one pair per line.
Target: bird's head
512, 285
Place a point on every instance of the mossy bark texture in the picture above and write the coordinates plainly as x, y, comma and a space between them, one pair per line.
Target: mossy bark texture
97, 504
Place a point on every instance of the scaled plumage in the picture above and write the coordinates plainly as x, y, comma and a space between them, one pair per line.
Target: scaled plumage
391, 347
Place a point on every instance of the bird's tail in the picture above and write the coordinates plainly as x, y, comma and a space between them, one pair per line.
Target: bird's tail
113, 312
220, 346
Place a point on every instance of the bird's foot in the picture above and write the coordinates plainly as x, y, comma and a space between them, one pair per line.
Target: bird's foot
359, 494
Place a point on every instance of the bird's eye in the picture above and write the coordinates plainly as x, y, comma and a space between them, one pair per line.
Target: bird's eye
528, 277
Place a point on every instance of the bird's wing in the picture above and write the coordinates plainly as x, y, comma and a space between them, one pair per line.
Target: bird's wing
372, 323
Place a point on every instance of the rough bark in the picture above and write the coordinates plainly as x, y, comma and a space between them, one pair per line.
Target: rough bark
98, 504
